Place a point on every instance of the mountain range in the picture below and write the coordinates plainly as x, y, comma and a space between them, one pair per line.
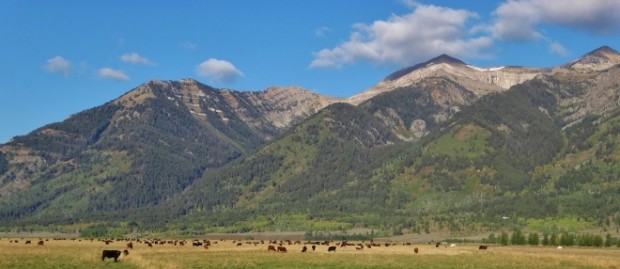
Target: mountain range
438, 146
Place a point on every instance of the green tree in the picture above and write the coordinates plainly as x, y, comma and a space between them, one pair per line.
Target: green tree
517, 238
504, 239
608, 240
492, 239
554, 239
533, 239
545, 241
597, 240
567, 239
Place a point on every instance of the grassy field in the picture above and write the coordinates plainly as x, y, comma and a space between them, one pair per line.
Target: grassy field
226, 254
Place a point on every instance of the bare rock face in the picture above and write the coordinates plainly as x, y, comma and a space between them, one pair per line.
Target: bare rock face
284, 105
596, 60
265, 112
479, 80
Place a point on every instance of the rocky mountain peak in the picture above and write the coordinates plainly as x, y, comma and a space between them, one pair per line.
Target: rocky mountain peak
441, 59
598, 59
481, 80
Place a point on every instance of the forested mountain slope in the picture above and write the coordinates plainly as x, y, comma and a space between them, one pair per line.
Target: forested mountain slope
431, 154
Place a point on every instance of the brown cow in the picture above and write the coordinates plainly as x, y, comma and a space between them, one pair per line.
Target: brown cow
483, 247
313, 247
125, 252
281, 249
130, 245
271, 248
28, 242
110, 254
331, 248
41, 243
415, 250
304, 249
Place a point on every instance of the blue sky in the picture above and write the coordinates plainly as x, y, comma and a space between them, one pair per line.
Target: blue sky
60, 57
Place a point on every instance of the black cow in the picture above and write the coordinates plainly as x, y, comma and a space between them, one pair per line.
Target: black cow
331, 248
304, 249
482, 247
313, 247
110, 254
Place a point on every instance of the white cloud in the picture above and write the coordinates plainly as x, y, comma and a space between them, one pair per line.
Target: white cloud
517, 20
188, 45
58, 64
109, 73
322, 31
218, 70
135, 58
426, 32
558, 49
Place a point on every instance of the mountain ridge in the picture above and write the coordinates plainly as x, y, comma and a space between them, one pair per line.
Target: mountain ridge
435, 153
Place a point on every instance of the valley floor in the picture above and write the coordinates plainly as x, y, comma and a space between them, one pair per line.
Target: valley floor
253, 254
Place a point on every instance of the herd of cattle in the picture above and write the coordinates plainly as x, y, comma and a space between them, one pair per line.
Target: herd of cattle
272, 246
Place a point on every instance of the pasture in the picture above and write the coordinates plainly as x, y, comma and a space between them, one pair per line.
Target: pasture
254, 254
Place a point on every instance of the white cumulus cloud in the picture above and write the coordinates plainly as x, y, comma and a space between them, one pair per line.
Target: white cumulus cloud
558, 49
219, 70
109, 73
58, 64
135, 58
426, 32
518, 20
322, 31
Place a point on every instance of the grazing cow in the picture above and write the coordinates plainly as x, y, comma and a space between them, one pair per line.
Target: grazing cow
125, 252
452, 245
206, 246
41, 242
559, 247
331, 248
304, 249
415, 250
483, 247
281, 249
271, 248
28, 242
110, 254
437, 245
149, 244
359, 248
130, 245
313, 247
196, 244
239, 244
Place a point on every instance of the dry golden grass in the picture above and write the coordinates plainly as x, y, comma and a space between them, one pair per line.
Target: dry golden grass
226, 254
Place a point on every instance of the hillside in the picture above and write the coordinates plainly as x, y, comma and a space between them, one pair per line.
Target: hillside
135, 152
447, 151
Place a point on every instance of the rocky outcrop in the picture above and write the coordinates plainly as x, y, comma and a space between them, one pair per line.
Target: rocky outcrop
596, 60
479, 80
